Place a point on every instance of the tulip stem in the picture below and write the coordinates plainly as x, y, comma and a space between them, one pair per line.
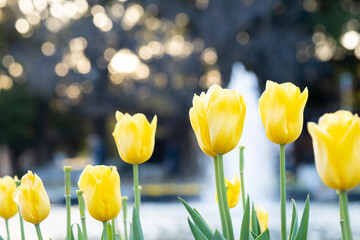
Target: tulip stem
38, 231
18, 182
82, 212
105, 235
242, 183
67, 170
344, 216
226, 223
124, 203
7, 228
113, 229
283, 191
136, 187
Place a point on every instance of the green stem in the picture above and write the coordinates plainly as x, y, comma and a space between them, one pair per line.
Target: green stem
242, 183
7, 228
283, 191
226, 222
136, 187
67, 170
113, 229
82, 212
105, 235
344, 216
124, 203
38, 231
18, 182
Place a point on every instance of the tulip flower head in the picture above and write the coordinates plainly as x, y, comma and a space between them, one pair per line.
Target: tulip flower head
262, 217
336, 143
134, 137
8, 208
217, 119
101, 187
32, 199
232, 191
281, 109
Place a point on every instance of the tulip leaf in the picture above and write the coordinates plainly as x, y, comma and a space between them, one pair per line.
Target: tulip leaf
303, 228
131, 237
264, 236
136, 225
1, 238
294, 222
198, 235
218, 236
245, 224
255, 225
80, 234
253, 235
72, 232
198, 220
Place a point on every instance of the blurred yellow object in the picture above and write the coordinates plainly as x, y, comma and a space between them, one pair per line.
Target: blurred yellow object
32, 199
262, 217
134, 137
101, 187
232, 191
336, 142
281, 109
8, 208
217, 119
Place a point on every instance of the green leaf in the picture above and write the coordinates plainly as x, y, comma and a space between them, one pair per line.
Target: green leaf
218, 236
255, 225
80, 234
1, 238
245, 224
136, 225
264, 236
72, 233
131, 237
198, 235
198, 220
109, 232
294, 222
253, 234
303, 228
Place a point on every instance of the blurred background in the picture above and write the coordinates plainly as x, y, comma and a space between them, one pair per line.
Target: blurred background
66, 66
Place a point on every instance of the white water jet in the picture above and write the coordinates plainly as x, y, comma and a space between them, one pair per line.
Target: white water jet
259, 150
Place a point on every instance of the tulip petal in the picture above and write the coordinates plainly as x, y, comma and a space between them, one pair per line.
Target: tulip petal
225, 121
273, 113
349, 155
195, 125
326, 161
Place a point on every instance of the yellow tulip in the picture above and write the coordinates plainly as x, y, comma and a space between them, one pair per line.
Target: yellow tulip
217, 119
281, 109
134, 137
32, 199
262, 217
336, 143
232, 191
8, 208
101, 187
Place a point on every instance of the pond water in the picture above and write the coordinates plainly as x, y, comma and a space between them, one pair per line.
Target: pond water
167, 221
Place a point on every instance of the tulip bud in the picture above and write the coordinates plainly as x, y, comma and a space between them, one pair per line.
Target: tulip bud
281, 109
217, 119
336, 143
101, 187
232, 191
32, 199
8, 207
262, 217
134, 137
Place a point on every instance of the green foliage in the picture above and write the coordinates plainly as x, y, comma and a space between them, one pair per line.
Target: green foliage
218, 236
255, 226
300, 232
198, 235
198, 220
245, 224
137, 233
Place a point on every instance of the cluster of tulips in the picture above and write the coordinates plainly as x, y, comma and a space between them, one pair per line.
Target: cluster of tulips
217, 118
